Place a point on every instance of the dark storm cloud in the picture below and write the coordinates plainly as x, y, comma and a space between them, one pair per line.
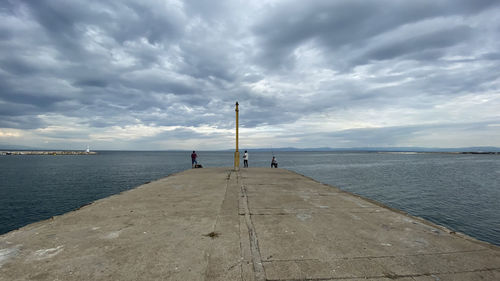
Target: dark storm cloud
209, 10
206, 63
28, 97
8, 6
103, 65
20, 122
351, 24
91, 83
61, 40
433, 40
19, 66
62, 19
135, 87
491, 56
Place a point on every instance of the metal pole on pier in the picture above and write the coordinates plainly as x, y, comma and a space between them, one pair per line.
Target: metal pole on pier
236, 153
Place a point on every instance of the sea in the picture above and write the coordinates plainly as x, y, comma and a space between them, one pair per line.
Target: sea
458, 191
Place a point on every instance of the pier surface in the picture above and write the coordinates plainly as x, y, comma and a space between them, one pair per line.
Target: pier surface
255, 224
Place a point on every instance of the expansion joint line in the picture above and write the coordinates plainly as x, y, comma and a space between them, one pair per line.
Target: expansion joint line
260, 274
216, 223
217, 219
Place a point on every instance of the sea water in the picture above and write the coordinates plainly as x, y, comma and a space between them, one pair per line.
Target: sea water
461, 192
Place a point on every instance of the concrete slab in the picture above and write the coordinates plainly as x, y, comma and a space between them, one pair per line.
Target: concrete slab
154, 232
309, 231
255, 224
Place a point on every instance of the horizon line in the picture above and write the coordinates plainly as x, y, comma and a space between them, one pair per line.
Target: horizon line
311, 149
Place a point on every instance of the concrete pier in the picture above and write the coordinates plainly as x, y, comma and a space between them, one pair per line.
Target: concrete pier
254, 224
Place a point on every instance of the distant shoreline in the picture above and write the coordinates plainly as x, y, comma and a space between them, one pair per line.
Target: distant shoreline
47, 152
383, 151
439, 152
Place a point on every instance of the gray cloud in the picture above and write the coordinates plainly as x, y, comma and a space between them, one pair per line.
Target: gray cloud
20, 121
338, 25
101, 83
416, 44
101, 65
395, 136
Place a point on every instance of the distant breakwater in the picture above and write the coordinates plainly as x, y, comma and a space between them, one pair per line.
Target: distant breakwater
47, 152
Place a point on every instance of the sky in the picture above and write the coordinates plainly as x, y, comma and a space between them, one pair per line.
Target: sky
165, 75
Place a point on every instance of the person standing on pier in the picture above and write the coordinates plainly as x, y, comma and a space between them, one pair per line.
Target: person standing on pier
245, 159
193, 159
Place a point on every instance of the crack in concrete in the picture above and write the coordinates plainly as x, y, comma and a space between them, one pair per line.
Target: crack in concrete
390, 276
378, 257
214, 227
260, 274
318, 213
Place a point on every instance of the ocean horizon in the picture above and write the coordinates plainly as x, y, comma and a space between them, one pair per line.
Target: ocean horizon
283, 149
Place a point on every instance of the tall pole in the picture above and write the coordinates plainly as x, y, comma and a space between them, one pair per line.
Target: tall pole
236, 153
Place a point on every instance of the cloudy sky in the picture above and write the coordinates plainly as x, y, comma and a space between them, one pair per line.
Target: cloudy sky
161, 74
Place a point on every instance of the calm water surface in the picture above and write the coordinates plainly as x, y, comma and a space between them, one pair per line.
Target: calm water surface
461, 192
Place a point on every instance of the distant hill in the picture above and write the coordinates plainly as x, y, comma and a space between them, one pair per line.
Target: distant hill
350, 149
384, 149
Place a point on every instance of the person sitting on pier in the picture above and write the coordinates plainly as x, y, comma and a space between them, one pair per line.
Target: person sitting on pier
274, 163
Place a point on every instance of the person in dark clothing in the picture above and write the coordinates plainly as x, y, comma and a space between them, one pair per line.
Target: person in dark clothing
245, 159
274, 163
193, 159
